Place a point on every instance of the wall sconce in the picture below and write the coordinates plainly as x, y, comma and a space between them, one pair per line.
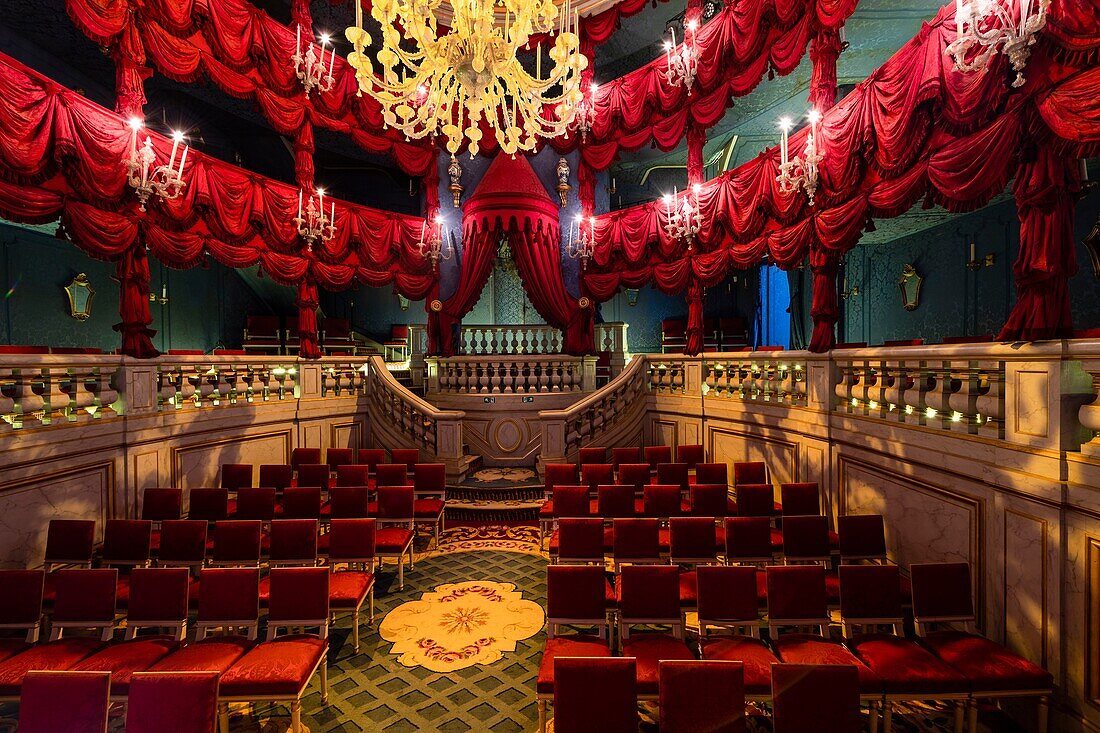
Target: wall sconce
402, 302
975, 264
163, 299
847, 292
910, 283
632, 296
80, 293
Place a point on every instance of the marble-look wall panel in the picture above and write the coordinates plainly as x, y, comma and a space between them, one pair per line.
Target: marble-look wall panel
311, 436
1081, 598
27, 505
197, 465
346, 434
731, 444
1027, 544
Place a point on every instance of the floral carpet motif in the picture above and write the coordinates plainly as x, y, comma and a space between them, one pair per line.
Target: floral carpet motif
493, 537
487, 475
459, 625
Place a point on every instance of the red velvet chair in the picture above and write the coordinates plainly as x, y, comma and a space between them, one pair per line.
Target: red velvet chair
303, 456
619, 456
806, 540
689, 454
161, 504
353, 474
261, 334
595, 695
336, 457
229, 601
692, 542
673, 335
276, 476
396, 347
127, 544
349, 502
636, 475
395, 507
800, 499
188, 699
314, 474
796, 597
430, 496
556, 473
209, 505
673, 473
407, 456
661, 501
69, 542
237, 543
862, 538
592, 454
279, 669
820, 698
336, 336
351, 543
565, 501
575, 596
650, 596
237, 476
371, 457
594, 475
183, 543
943, 594
158, 600
392, 474
656, 455
20, 609
709, 500
69, 702
636, 542
257, 504
578, 540
301, 502
293, 542
750, 472
728, 600
712, 473
699, 696
757, 500
870, 597
615, 501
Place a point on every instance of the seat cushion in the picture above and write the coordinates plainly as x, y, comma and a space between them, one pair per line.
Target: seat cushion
348, 588
214, 653
126, 657
906, 667
546, 511
650, 650
282, 666
989, 666
9, 647
753, 653
428, 508
610, 595
575, 645
689, 588
52, 656
392, 540
812, 649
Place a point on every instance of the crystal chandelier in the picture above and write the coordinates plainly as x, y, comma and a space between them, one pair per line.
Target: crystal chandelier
683, 60
985, 26
683, 217
166, 181
311, 221
432, 245
585, 114
432, 84
800, 171
582, 244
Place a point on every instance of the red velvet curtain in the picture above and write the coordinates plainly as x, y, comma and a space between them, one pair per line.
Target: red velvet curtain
1046, 192
694, 345
132, 274
537, 255
307, 302
824, 309
479, 252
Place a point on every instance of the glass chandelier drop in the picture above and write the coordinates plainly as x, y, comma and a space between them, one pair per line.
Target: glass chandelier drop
449, 84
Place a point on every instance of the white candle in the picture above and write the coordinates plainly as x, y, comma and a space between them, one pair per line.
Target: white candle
538, 63
783, 145
331, 59
423, 230
172, 157
298, 39
973, 252
299, 203
1025, 10
133, 138
320, 202
332, 214
145, 161
164, 290
958, 17
183, 158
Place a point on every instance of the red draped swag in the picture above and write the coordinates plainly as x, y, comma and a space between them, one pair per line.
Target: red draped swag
61, 155
510, 202
915, 129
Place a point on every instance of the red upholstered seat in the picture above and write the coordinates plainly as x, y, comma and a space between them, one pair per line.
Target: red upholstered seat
9, 647
335, 457
392, 539
349, 502
161, 504
822, 699
302, 456
750, 472
237, 542
314, 474
301, 503
661, 501
123, 659
371, 457
214, 653
281, 667
692, 455
293, 542
712, 473
657, 454
751, 652
636, 540
63, 654
815, 650
409, 457
591, 454
709, 500
578, 539
354, 474
348, 588
673, 473
189, 700
905, 667
650, 594
636, 475
987, 665
689, 588
277, 476
257, 504
183, 542
595, 695
649, 650
748, 539
209, 505
236, 476
69, 542
614, 501
428, 508
52, 702
594, 475
755, 500
573, 645
627, 455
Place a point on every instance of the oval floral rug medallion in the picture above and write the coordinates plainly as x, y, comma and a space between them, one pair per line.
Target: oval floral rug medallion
461, 624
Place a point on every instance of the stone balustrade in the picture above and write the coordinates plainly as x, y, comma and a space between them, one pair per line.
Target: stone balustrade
511, 374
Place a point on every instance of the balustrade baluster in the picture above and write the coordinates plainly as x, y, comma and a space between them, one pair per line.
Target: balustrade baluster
30, 402
938, 412
80, 396
962, 402
990, 403
7, 403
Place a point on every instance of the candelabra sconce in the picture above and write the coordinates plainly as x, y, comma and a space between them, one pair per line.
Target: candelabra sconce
309, 68
585, 114
613, 187
682, 62
147, 178
161, 299
432, 245
852, 292
800, 172
582, 244
683, 218
975, 263
844, 45
984, 27
563, 182
454, 172
311, 221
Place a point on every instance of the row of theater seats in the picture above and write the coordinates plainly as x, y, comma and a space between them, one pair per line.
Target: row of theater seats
956, 666
276, 669
265, 335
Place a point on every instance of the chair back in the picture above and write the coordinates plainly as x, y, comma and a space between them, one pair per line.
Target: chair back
649, 594
302, 503
755, 500
750, 472
371, 457
728, 595
21, 602
673, 473
796, 596
801, 499
560, 473
158, 598
293, 542
806, 538
575, 594
276, 476
188, 699
701, 696
870, 594
256, 504
595, 695
614, 501
73, 702
302, 456
353, 474
820, 698
712, 473
637, 540
571, 501
351, 540
692, 540
229, 597
657, 454
85, 599
592, 454
127, 542
336, 457
183, 542
299, 597
314, 474
862, 537
580, 539
407, 456
69, 542
661, 500
708, 500
395, 502
942, 592
692, 455
209, 505
349, 502
619, 456
237, 542
593, 475
236, 476
161, 504
391, 474
430, 478
748, 540
636, 475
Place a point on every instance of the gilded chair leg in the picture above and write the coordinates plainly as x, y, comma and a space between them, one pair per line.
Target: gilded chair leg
972, 716
355, 630
1044, 714
542, 716
296, 716
371, 618
960, 709
872, 710
324, 680
887, 717
401, 572
223, 717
